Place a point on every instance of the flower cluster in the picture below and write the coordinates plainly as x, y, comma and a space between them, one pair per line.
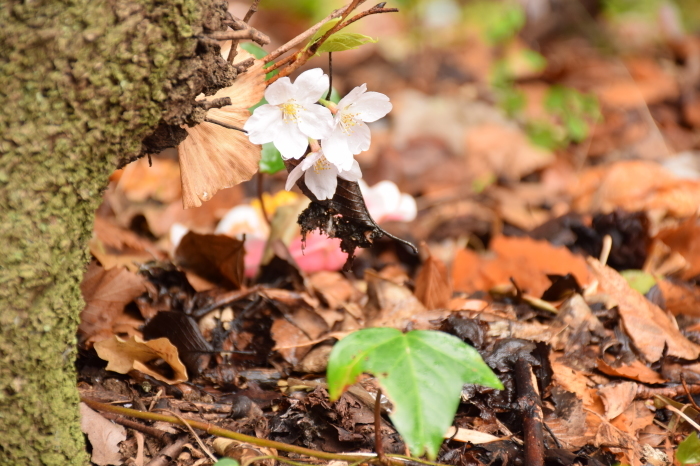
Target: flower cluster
292, 119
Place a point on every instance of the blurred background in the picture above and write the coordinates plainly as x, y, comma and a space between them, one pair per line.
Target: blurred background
504, 113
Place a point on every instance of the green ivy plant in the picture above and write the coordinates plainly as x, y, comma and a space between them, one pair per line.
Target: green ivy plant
422, 372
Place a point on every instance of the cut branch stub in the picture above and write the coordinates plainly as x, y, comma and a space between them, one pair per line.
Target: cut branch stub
344, 217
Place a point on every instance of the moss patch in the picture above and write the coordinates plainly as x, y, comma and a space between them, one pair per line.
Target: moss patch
82, 84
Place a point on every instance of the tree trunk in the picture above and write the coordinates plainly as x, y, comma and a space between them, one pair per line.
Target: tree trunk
82, 84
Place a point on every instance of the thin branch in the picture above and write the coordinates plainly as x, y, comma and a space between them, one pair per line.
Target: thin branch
303, 56
225, 125
218, 431
281, 63
251, 11
644, 392
378, 445
687, 391
238, 35
304, 35
214, 103
530, 404
158, 434
194, 434
683, 415
235, 24
330, 75
372, 11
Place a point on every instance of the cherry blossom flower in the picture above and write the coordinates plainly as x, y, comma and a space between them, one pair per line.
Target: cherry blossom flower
320, 175
350, 134
292, 115
386, 203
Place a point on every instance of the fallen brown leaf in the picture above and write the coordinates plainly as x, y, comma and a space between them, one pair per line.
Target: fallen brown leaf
650, 329
135, 354
106, 292
617, 398
526, 260
432, 284
637, 370
104, 436
215, 258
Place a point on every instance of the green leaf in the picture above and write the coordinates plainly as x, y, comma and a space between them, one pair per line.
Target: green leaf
639, 280
271, 160
254, 49
422, 372
227, 462
324, 29
689, 450
341, 41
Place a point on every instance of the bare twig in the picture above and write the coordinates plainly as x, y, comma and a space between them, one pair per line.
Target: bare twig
214, 430
238, 35
330, 75
251, 11
530, 404
304, 55
644, 392
167, 454
378, 446
159, 434
236, 24
301, 57
225, 125
214, 103
687, 391
683, 415
194, 434
372, 11
261, 190
305, 35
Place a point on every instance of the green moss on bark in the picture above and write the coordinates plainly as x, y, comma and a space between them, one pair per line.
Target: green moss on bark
82, 83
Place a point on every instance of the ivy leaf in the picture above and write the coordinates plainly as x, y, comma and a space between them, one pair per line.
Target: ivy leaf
422, 372
689, 450
341, 41
271, 160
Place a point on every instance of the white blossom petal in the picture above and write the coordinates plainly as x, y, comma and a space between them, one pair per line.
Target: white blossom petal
293, 177
353, 174
290, 141
315, 121
360, 138
352, 96
372, 106
262, 123
310, 160
280, 91
322, 182
310, 86
335, 148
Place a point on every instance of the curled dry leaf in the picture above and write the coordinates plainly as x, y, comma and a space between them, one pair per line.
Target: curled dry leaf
650, 328
106, 292
215, 258
213, 157
135, 354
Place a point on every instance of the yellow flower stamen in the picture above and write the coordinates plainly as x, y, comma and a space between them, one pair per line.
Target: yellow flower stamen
321, 164
348, 120
290, 111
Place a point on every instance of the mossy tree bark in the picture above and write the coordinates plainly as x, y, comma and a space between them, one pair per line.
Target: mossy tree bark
83, 84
